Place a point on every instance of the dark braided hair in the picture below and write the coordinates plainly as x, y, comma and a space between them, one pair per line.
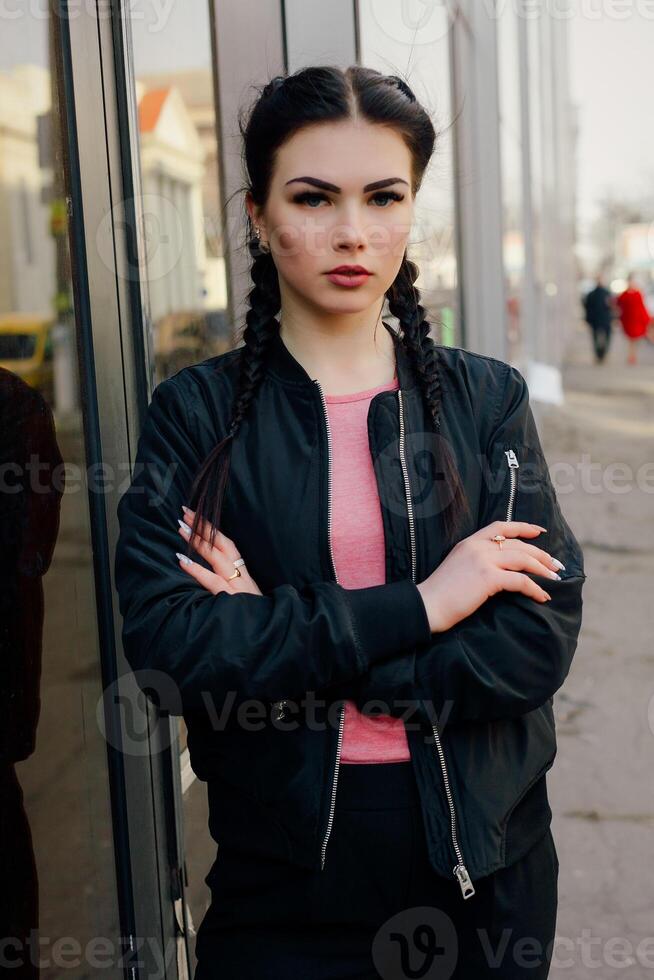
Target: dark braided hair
404, 303
286, 104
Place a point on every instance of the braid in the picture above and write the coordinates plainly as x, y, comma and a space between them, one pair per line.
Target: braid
261, 327
404, 303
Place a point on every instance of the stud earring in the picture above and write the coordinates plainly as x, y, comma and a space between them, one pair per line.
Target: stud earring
264, 248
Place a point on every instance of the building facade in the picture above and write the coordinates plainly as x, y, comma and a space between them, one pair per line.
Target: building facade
123, 259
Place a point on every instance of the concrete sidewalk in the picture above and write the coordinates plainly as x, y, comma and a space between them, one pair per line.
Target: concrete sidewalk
600, 448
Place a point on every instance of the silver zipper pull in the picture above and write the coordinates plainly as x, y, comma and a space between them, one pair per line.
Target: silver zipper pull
281, 709
512, 458
467, 887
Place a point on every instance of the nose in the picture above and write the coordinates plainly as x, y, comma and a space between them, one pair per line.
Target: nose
349, 240
349, 233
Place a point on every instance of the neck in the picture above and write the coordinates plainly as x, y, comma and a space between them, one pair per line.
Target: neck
343, 360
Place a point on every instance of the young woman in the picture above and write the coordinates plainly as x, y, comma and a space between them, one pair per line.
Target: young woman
383, 594
634, 316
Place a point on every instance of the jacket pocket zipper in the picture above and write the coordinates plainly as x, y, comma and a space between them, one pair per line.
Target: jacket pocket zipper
459, 871
280, 707
512, 460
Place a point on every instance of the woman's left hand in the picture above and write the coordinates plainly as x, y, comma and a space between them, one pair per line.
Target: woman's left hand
220, 557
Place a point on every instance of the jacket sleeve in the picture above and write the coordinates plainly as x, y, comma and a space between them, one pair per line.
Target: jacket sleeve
513, 653
237, 646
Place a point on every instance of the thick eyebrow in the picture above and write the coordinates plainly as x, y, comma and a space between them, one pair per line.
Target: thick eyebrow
325, 185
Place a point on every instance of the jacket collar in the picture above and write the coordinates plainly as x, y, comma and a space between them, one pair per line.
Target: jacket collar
283, 366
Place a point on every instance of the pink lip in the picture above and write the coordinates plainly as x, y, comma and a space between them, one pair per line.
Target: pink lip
348, 280
349, 270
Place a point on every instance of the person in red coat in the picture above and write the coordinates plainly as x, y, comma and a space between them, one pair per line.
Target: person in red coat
634, 316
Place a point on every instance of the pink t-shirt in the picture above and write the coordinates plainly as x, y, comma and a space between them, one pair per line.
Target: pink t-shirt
357, 535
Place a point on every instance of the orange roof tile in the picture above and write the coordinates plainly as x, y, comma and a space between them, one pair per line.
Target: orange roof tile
150, 107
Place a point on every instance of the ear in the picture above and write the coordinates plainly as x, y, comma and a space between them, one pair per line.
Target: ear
253, 210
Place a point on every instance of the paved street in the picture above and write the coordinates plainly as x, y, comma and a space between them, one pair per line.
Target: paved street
602, 783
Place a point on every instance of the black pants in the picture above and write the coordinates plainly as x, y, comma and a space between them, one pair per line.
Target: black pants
377, 909
601, 339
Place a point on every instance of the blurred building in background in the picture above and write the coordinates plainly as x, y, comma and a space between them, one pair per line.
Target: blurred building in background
122, 258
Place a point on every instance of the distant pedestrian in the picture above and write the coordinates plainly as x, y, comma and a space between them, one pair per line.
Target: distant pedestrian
634, 315
599, 310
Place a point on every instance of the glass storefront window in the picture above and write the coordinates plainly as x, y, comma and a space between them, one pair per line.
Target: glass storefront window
513, 239
58, 910
536, 81
184, 273
180, 182
393, 43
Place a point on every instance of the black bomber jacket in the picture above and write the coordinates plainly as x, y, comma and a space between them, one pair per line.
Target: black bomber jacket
261, 680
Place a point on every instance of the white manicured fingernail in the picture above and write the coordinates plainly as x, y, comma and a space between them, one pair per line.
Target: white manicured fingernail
184, 560
184, 526
554, 575
557, 563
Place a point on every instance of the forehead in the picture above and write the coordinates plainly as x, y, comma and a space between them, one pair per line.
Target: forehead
349, 153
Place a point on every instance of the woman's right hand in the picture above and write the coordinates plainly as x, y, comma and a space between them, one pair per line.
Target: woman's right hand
476, 568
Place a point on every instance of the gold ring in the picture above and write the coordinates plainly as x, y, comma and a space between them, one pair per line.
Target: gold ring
237, 573
499, 538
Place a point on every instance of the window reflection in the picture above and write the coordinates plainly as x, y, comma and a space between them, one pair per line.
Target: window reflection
392, 43
56, 844
180, 182
185, 269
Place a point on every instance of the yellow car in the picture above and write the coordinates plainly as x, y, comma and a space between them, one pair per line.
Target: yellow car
26, 349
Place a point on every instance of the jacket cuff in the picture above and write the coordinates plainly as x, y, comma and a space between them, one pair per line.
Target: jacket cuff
389, 619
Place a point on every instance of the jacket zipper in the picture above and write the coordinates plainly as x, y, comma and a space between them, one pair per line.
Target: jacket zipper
459, 871
341, 717
512, 460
